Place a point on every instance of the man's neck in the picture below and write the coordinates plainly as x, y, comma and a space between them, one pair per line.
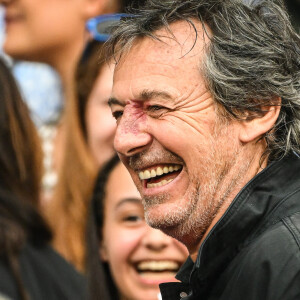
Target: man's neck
255, 166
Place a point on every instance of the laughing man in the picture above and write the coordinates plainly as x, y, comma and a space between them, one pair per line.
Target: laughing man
207, 101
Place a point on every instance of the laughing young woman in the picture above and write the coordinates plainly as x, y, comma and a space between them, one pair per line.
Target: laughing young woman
135, 257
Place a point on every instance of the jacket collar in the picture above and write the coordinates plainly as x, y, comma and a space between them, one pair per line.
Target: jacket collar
261, 202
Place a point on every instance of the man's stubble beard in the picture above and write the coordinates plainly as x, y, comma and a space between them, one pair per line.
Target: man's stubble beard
188, 223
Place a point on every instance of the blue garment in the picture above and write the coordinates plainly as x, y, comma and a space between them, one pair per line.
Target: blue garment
42, 91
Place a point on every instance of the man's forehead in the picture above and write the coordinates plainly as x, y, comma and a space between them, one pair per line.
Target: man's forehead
170, 65
179, 43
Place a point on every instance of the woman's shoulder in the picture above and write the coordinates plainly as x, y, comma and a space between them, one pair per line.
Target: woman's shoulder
45, 275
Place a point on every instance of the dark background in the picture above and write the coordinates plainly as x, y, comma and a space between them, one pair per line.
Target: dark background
293, 7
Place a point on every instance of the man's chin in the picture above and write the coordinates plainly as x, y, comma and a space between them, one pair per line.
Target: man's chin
166, 218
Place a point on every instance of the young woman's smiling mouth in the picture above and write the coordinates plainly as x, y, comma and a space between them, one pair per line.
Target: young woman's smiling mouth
157, 271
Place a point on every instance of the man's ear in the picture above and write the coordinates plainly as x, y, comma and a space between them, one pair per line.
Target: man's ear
93, 8
252, 129
103, 252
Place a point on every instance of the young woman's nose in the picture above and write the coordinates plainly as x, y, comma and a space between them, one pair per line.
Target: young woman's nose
155, 239
131, 135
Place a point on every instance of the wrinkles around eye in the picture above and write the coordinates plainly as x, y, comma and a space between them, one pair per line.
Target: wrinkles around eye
157, 111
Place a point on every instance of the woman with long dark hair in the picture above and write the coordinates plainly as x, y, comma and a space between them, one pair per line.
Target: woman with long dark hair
29, 267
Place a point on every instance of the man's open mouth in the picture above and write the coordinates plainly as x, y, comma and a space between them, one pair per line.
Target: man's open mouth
159, 176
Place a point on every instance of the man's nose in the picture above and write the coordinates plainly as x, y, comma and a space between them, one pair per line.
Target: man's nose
131, 135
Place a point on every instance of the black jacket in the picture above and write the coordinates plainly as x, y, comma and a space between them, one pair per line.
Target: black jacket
253, 252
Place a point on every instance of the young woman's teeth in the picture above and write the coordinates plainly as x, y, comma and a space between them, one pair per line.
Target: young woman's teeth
158, 266
158, 270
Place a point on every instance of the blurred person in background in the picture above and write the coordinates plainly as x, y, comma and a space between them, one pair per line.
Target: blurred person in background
134, 257
39, 85
94, 79
53, 32
29, 267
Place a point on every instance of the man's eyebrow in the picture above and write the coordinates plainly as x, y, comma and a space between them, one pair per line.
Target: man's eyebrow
143, 96
150, 94
114, 101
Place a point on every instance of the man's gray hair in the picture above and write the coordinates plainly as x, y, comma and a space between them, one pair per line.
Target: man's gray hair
252, 60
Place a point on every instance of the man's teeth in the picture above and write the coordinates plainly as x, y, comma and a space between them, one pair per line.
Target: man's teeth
161, 183
158, 266
151, 173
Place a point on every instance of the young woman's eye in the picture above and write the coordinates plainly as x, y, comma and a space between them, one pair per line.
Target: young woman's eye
133, 218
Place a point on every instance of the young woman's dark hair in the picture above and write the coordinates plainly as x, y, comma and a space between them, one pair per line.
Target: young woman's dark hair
29, 268
20, 152
20, 173
88, 69
101, 285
